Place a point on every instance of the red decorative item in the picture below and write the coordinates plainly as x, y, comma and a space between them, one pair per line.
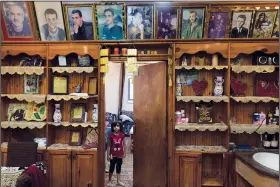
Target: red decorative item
238, 87
267, 85
199, 86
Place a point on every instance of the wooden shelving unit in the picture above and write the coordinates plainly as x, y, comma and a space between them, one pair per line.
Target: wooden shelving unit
211, 182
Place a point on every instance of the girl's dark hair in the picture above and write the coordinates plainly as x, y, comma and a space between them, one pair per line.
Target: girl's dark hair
115, 123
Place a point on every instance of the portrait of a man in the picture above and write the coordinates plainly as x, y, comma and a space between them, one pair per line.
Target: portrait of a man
167, 22
80, 22
50, 20
241, 23
110, 22
17, 20
140, 22
192, 23
263, 24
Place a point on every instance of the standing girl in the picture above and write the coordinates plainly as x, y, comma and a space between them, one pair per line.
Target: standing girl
116, 151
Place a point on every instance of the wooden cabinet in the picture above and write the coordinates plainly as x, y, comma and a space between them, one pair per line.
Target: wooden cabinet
188, 170
72, 168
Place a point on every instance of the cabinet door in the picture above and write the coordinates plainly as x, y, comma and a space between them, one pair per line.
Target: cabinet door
84, 169
190, 171
59, 168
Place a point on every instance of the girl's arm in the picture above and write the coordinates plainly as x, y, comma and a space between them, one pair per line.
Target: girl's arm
124, 154
109, 149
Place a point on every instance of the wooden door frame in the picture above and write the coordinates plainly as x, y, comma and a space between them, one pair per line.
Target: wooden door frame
170, 105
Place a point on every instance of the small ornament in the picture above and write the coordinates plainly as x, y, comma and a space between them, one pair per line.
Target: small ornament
218, 90
256, 118
270, 115
215, 60
57, 114
199, 86
262, 118
178, 86
95, 113
238, 87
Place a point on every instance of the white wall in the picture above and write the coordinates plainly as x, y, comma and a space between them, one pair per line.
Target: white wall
125, 105
112, 85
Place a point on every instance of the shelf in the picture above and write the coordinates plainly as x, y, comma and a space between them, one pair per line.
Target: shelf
66, 147
202, 67
67, 124
73, 69
140, 57
37, 98
203, 98
201, 127
4, 146
251, 68
212, 182
255, 99
201, 149
21, 70
248, 128
22, 124
68, 97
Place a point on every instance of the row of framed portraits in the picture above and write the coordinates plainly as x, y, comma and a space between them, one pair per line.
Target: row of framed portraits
56, 21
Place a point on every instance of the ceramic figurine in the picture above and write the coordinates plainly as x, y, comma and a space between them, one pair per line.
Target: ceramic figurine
270, 118
218, 90
95, 113
57, 114
178, 86
78, 88
263, 118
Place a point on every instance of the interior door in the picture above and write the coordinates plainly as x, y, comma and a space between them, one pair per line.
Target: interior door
150, 140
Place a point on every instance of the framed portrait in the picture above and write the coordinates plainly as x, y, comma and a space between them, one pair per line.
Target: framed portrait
92, 85
264, 23
140, 22
166, 22
241, 24
79, 19
110, 21
60, 85
275, 33
77, 114
75, 138
31, 84
130, 89
218, 23
50, 21
192, 23
17, 21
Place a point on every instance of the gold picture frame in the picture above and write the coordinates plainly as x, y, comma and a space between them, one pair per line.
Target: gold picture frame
60, 85
75, 138
216, 10
29, 15
92, 85
77, 114
66, 8
156, 17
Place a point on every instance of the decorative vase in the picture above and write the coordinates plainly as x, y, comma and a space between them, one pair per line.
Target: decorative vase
218, 90
57, 114
95, 113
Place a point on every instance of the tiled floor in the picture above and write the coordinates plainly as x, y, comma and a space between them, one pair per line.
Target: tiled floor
127, 169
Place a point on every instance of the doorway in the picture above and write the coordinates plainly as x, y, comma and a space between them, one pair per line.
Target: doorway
145, 164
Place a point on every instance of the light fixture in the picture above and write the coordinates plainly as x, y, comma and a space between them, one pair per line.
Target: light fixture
258, 7
267, 7
277, 7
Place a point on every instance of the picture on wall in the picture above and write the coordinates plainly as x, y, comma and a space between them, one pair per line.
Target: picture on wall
263, 24
218, 24
17, 21
275, 33
31, 84
79, 22
50, 20
110, 22
241, 24
140, 22
167, 22
192, 23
